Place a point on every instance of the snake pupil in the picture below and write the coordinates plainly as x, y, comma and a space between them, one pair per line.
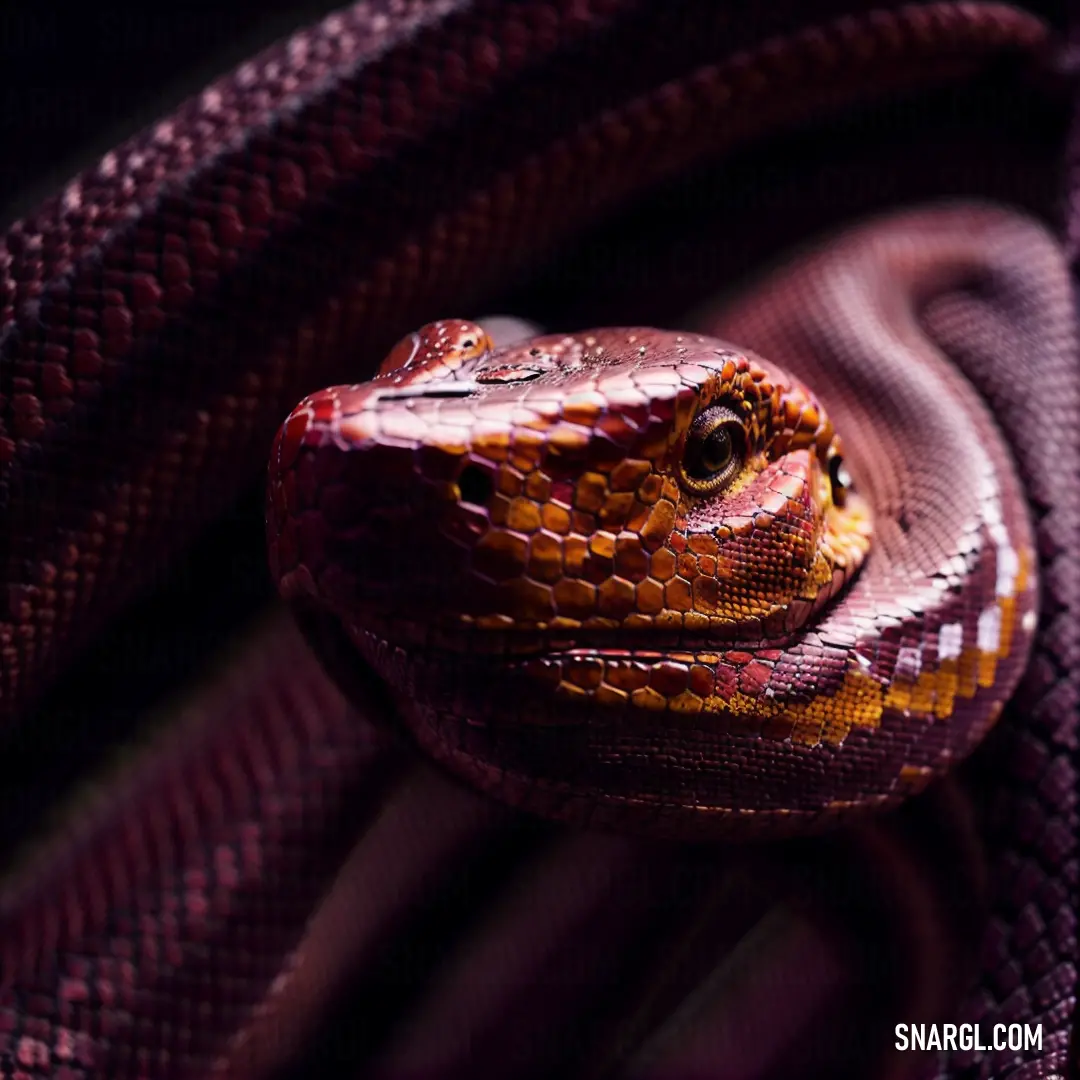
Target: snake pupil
717, 449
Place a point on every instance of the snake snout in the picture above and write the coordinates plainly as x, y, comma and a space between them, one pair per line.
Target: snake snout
365, 514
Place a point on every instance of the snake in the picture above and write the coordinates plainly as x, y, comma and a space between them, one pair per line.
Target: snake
173, 302
643, 541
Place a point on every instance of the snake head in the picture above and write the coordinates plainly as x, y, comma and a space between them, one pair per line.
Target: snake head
622, 487
581, 562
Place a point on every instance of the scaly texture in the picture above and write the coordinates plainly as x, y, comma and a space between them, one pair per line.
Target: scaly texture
640, 599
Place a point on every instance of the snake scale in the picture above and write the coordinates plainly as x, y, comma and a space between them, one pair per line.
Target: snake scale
166, 310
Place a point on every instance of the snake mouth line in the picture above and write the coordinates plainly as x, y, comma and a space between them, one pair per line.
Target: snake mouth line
638, 639
633, 643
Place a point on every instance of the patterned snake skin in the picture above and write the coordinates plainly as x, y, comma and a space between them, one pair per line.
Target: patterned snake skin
168, 307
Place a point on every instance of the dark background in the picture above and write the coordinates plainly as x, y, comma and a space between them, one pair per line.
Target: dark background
77, 79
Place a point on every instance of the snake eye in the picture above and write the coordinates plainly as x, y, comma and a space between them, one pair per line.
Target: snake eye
715, 448
839, 479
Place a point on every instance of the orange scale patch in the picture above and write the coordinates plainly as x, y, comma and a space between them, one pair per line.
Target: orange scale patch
616, 598
650, 597
545, 558
574, 599
523, 515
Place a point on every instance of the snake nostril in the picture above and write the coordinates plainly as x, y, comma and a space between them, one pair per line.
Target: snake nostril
509, 373
475, 485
